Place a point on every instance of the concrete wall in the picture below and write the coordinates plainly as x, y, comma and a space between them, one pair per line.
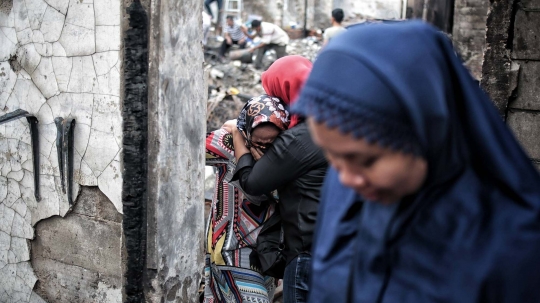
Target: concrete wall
511, 70
287, 12
58, 58
524, 105
469, 32
382, 9
70, 267
177, 111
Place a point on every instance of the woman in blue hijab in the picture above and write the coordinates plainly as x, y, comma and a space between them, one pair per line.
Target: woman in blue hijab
430, 198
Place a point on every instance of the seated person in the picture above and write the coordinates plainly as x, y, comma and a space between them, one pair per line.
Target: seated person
234, 34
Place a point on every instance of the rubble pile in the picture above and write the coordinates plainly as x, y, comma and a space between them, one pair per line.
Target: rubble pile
232, 83
308, 47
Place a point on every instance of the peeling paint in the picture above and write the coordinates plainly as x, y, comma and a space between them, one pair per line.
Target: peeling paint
58, 58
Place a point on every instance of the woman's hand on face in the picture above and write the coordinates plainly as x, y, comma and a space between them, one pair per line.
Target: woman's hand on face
230, 126
256, 153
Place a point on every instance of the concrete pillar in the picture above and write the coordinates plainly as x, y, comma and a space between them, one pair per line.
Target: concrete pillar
469, 33
176, 120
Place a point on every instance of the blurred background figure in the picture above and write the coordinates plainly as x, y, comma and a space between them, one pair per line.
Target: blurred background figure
272, 37
234, 34
430, 198
337, 28
207, 23
209, 9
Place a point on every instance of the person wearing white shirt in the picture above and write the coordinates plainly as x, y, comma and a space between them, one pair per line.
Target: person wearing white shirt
272, 37
337, 28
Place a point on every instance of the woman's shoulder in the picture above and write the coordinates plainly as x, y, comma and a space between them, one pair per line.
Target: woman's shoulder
296, 140
299, 132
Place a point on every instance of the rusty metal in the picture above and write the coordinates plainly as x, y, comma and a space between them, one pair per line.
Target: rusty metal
59, 121
34, 136
14, 116
67, 152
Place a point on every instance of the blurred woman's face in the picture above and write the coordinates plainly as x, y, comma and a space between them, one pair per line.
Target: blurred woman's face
376, 173
263, 135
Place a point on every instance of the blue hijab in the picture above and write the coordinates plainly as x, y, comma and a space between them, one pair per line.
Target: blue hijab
472, 232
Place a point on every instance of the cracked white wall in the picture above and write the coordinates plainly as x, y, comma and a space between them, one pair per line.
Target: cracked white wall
65, 62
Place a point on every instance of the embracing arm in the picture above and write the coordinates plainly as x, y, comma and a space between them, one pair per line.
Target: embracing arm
284, 162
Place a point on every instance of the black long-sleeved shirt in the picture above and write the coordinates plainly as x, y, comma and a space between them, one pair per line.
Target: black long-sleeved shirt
296, 167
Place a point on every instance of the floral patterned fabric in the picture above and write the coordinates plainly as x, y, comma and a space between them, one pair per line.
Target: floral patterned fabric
261, 109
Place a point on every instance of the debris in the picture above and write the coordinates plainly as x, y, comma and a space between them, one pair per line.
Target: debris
216, 74
231, 83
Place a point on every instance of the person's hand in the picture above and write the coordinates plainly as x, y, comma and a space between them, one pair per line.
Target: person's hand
242, 41
251, 50
256, 153
229, 41
230, 126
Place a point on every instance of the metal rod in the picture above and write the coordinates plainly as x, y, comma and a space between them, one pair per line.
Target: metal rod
34, 135
59, 121
14, 115
67, 150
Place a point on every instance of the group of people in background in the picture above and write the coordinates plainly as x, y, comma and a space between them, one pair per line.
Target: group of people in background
393, 175
272, 36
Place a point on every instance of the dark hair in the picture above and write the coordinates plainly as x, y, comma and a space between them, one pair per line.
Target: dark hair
255, 23
338, 15
230, 17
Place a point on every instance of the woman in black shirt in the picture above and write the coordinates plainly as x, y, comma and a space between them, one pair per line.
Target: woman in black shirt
294, 166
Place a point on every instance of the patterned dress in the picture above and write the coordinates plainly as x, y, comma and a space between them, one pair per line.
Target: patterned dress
234, 223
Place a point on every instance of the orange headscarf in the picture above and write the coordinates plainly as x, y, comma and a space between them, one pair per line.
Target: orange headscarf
285, 78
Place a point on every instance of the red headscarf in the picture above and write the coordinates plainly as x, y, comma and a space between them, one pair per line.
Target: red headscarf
285, 78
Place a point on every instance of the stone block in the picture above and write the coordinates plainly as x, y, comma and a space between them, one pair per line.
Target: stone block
60, 282
530, 3
526, 128
528, 93
80, 241
526, 37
